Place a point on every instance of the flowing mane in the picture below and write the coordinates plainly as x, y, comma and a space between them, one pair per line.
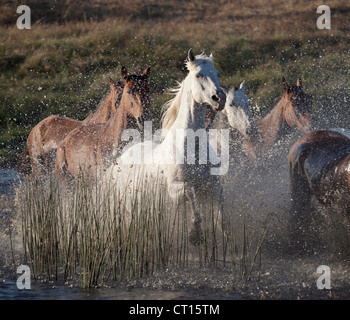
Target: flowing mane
171, 107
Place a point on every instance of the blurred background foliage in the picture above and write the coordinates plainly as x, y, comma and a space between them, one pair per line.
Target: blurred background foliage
63, 63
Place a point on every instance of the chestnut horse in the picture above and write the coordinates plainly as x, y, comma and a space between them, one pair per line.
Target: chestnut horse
319, 166
292, 111
93, 146
48, 134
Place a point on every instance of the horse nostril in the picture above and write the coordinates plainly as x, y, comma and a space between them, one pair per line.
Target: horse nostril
141, 119
215, 98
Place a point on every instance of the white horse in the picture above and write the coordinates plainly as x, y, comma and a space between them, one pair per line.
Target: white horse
237, 115
179, 161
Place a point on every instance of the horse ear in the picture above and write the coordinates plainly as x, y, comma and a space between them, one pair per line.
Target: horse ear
111, 83
242, 86
191, 56
124, 72
147, 72
299, 83
120, 84
211, 58
284, 84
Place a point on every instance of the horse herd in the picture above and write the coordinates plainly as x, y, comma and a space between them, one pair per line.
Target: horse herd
319, 162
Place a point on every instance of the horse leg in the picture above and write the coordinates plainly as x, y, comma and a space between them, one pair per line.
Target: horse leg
24, 165
218, 193
300, 219
35, 161
50, 159
196, 231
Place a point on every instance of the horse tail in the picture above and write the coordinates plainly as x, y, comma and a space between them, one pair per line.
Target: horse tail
61, 165
23, 165
60, 160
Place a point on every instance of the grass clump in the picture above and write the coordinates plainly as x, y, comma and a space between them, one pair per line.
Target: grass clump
81, 234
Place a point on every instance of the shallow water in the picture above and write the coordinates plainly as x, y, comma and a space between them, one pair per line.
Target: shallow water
281, 275
43, 290
8, 180
54, 291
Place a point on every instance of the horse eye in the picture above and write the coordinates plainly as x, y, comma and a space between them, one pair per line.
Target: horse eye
198, 75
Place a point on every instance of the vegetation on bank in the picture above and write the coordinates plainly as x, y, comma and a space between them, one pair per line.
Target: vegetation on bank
82, 236
64, 67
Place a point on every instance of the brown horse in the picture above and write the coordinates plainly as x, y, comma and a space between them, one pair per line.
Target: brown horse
48, 134
292, 111
93, 146
319, 166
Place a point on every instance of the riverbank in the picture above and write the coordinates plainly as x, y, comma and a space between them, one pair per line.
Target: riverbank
63, 66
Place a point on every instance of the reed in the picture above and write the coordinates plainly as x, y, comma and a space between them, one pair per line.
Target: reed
80, 233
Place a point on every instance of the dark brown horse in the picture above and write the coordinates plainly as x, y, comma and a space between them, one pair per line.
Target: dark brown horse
293, 111
319, 166
48, 134
92, 147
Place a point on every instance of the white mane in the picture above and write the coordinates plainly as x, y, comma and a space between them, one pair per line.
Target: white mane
171, 108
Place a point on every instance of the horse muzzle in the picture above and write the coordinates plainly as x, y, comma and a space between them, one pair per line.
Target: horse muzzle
220, 99
304, 123
140, 122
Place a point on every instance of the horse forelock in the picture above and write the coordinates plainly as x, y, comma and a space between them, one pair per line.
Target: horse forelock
303, 101
200, 60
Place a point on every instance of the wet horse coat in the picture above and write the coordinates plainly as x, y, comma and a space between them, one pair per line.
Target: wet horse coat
171, 164
93, 146
319, 165
48, 134
292, 111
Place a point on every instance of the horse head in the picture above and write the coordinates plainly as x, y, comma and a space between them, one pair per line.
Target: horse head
117, 92
136, 97
298, 109
238, 112
205, 84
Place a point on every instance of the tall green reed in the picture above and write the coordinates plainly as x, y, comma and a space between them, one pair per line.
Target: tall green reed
93, 234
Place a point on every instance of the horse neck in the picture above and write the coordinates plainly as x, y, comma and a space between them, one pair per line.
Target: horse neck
270, 126
104, 110
191, 115
220, 121
114, 127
